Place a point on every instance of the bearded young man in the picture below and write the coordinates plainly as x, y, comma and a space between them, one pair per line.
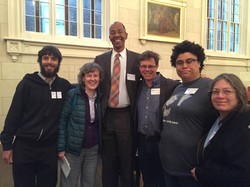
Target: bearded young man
33, 121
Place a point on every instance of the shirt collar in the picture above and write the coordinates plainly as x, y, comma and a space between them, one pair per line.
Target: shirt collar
122, 53
156, 81
45, 79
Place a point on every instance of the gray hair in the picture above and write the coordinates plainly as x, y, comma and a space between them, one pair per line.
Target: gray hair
87, 68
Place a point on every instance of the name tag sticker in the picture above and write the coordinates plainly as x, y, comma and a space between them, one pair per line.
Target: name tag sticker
191, 91
155, 91
53, 95
59, 95
130, 77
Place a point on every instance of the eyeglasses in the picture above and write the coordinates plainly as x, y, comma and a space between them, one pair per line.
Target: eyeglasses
187, 61
225, 92
149, 67
120, 31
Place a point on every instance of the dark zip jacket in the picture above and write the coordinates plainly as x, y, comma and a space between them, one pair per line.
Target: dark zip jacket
73, 121
34, 111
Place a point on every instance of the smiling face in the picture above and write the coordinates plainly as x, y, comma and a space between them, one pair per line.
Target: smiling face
223, 97
117, 35
49, 66
148, 69
187, 67
91, 80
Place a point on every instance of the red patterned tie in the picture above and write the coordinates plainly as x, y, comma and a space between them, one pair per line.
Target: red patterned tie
114, 92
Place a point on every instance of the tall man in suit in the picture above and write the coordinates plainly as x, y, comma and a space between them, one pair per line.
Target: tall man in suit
118, 130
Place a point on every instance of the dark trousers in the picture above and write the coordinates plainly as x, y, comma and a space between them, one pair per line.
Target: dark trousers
34, 164
149, 160
117, 148
178, 181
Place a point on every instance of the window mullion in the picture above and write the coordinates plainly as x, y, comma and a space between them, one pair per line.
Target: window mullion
92, 19
66, 19
80, 18
37, 16
215, 24
229, 24
53, 17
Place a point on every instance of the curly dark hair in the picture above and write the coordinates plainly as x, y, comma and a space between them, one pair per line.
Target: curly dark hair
191, 47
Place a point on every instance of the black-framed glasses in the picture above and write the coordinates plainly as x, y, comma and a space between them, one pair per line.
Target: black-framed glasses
187, 61
225, 91
149, 67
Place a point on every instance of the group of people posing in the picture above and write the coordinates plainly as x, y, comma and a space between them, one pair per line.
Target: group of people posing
189, 133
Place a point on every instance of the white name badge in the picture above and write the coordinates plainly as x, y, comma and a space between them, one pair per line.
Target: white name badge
130, 77
191, 91
155, 91
53, 95
59, 95
56, 95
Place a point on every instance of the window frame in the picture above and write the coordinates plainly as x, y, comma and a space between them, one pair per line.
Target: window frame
17, 30
243, 47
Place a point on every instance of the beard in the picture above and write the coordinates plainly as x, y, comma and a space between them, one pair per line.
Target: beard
49, 74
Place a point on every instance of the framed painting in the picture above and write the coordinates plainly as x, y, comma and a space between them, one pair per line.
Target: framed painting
162, 21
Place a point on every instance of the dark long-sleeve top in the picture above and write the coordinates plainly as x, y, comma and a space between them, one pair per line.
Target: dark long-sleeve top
225, 161
35, 110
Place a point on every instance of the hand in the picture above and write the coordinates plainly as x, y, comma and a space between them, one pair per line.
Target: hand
61, 155
7, 156
193, 174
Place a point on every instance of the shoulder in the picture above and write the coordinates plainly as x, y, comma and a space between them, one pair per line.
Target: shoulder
34, 77
30, 79
62, 83
245, 117
169, 81
62, 80
75, 90
202, 83
132, 53
105, 54
205, 80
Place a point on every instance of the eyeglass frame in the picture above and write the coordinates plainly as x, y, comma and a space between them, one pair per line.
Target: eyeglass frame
149, 67
188, 61
224, 91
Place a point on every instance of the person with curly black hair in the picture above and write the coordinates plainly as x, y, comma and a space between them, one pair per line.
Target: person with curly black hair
186, 116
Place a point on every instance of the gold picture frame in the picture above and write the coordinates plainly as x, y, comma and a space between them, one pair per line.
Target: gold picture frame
162, 20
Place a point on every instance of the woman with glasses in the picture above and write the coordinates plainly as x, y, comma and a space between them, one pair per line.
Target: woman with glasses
225, 151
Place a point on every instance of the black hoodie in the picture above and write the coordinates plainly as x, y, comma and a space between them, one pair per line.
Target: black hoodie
34, 111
